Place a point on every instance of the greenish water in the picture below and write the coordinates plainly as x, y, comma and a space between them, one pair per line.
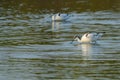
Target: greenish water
32, 47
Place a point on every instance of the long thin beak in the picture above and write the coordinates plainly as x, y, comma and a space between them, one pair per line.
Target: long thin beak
72, 41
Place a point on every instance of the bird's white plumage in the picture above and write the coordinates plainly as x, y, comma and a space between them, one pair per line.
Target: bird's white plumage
60, 17
89, 37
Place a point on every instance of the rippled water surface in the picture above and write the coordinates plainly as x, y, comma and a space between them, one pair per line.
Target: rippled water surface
32, 47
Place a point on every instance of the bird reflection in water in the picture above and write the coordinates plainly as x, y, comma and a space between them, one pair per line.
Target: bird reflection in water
90, 50
56, 26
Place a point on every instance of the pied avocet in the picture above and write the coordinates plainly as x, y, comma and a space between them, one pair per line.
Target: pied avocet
60, 17
89, 37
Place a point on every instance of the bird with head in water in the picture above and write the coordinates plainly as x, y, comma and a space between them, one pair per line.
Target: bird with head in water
89, 37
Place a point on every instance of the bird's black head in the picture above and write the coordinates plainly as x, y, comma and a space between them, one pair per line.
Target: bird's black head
76, 36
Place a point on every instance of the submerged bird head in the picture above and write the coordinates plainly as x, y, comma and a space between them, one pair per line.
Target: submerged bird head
76, 37
89, 37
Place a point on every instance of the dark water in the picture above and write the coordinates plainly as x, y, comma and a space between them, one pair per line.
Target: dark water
32, 47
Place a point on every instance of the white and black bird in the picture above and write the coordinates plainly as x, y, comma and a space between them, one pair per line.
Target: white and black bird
89, 37
60, 17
